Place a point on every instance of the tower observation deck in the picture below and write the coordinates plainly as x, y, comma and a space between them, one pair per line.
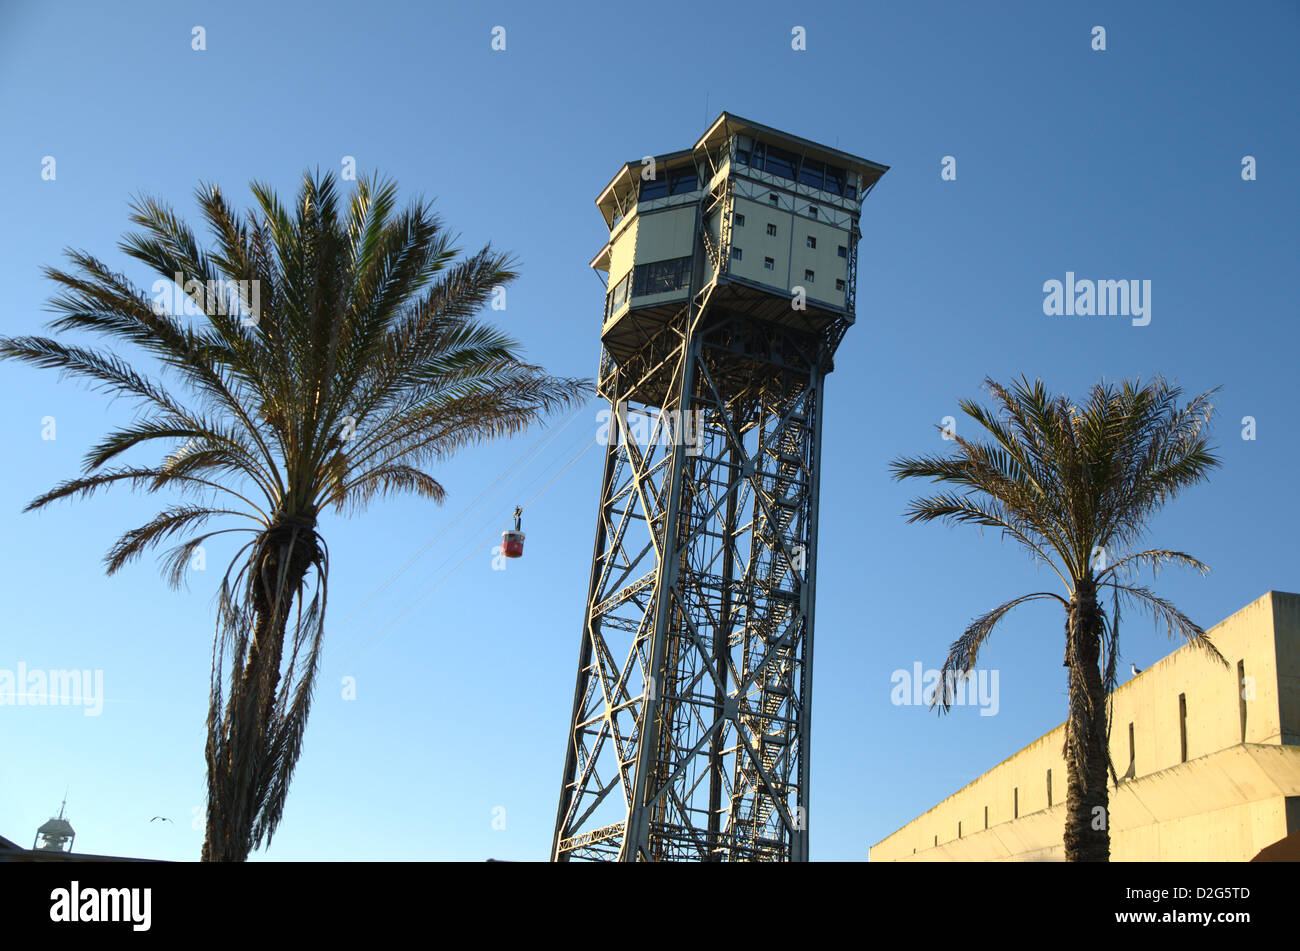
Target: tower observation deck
731, 275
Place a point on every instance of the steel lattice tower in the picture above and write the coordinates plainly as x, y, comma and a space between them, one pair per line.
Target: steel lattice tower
732, 269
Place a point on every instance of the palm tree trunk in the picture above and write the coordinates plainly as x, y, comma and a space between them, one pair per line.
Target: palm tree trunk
239, 773
1087, 803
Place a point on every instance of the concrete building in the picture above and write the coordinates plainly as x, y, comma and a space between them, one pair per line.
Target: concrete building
1208, 759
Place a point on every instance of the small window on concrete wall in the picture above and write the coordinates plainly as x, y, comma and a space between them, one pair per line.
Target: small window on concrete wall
771, 230
739, 220
736, 254
769, 264
1241, 696
1182, 724
1049, 789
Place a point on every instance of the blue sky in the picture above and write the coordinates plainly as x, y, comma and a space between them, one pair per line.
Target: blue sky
1122, 164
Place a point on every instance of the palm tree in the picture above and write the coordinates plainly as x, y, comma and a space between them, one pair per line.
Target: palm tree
1075, 484
336, 357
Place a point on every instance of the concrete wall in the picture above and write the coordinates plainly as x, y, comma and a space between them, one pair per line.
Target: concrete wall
1221, 800
666, 235
788, 248
622, 252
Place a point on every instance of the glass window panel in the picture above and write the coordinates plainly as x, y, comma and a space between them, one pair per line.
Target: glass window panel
780, 162
834, 180
654, 188
812, 173
682, 180
657, 277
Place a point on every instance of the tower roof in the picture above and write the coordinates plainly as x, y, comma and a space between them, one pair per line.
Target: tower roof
728, 124
56, 826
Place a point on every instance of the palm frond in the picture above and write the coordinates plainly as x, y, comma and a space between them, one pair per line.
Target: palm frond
1176, 623
964, 651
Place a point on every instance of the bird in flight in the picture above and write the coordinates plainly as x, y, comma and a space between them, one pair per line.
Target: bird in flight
1136, 669
163, 818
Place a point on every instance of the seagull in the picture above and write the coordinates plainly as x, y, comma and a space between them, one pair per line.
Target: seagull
163, 818
1136, 670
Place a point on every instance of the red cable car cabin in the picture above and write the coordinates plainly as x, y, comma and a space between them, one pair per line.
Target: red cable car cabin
512, 542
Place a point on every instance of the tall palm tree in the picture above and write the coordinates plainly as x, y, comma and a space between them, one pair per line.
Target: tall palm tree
335, 358
1076, 485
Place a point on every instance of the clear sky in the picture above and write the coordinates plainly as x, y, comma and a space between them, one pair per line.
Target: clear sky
1116, 164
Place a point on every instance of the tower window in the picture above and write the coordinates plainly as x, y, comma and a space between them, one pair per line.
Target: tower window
780, 162
842, 251
772, 198
812, 211
683, 180
653, 188
736, 254
839, 284
769, 264
808, 275
812, 242
834, 180
739, 220
812, 173
771, 230
659, 276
